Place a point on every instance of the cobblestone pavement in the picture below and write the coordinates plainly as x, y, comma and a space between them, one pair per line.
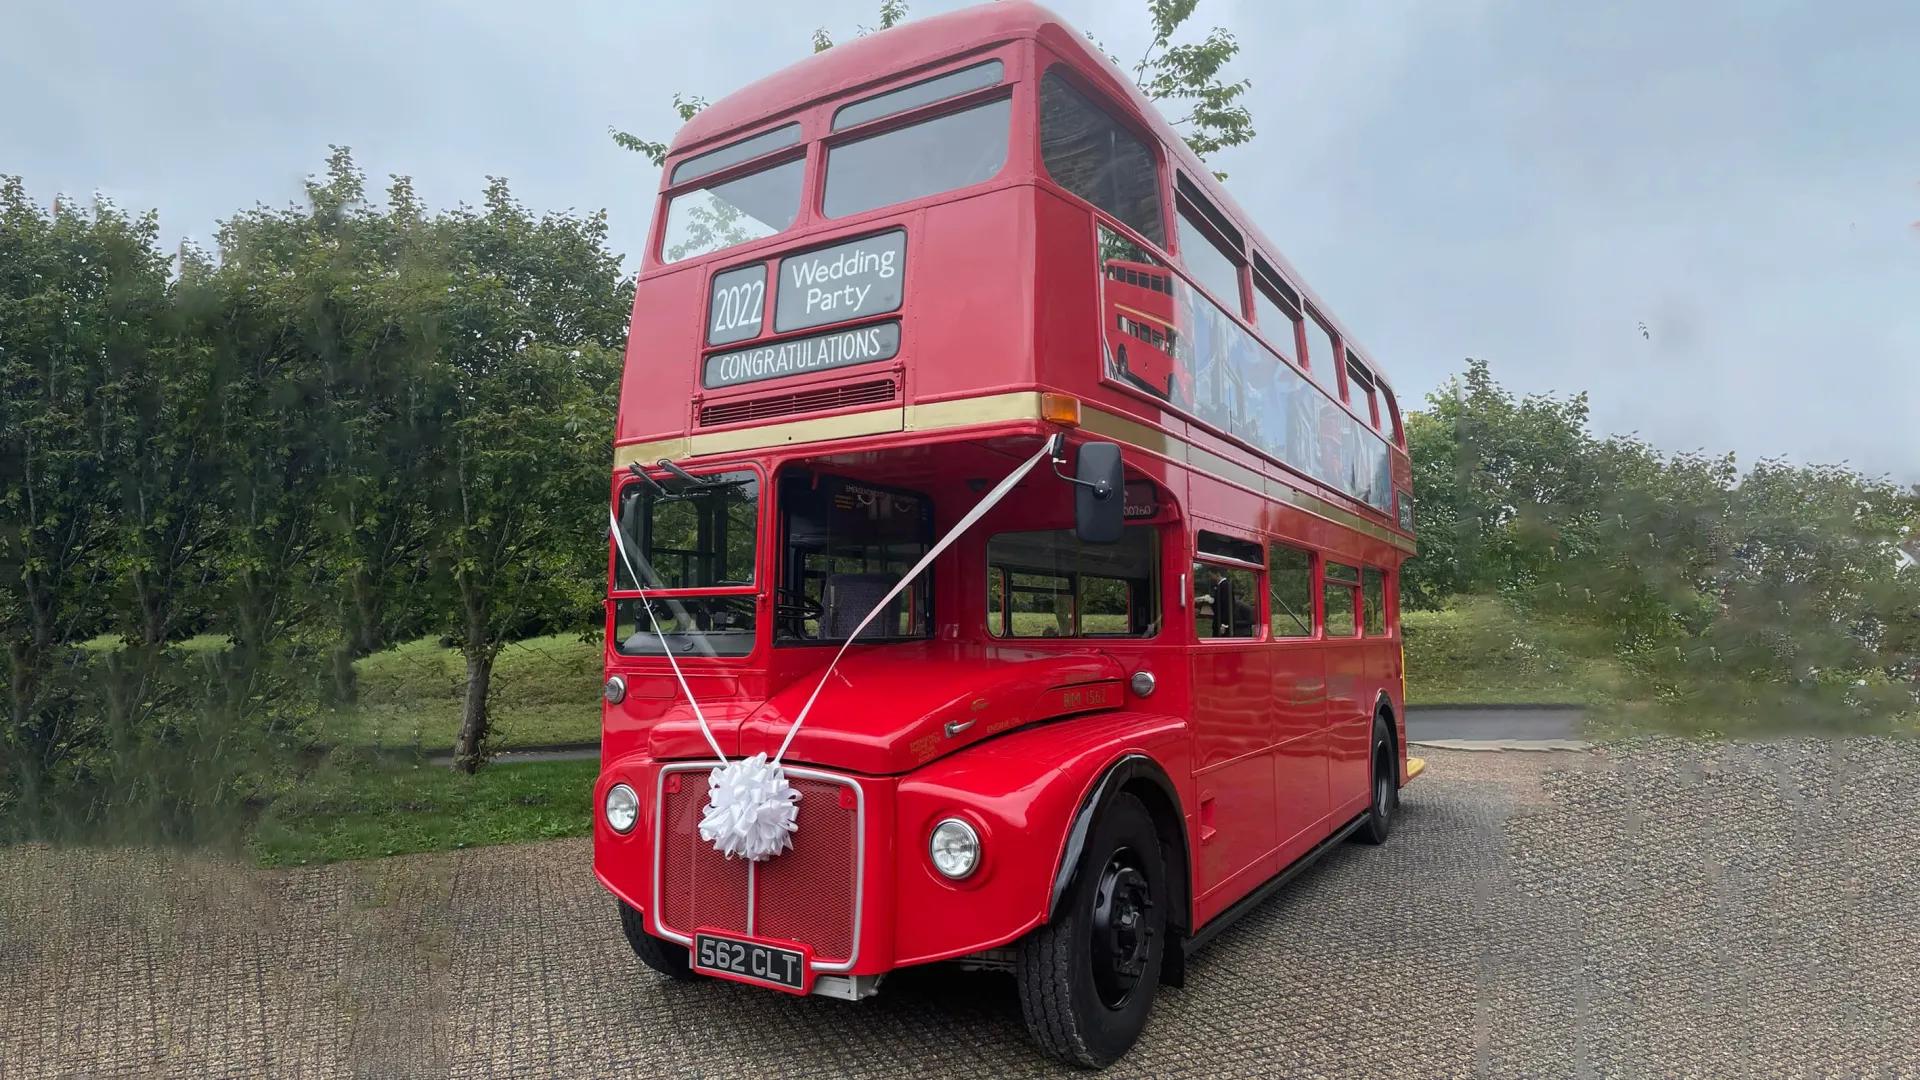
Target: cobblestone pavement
1636, 911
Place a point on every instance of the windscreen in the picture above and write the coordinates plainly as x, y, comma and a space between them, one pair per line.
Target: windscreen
688, 536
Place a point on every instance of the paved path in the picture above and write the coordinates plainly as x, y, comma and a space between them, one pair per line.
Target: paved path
1662, 910
1432, 724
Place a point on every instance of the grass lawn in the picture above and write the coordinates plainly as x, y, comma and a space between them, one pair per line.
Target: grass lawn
1478, 652
545, 690
373, 810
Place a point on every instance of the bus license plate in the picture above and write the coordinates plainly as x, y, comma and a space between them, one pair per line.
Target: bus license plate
750, 961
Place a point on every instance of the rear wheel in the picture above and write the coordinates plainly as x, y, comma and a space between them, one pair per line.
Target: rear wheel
666, 957
1386, 786
1087, 978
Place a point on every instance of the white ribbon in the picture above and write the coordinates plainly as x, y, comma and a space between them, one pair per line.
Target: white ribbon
752, 810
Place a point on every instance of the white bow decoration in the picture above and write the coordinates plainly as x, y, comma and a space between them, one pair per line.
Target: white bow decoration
752, 811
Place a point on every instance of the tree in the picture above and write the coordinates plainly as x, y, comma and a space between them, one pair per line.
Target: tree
527, 346
1189, 76
80, 291
1186, 75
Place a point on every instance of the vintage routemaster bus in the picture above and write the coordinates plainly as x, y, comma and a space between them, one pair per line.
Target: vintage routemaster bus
956, 288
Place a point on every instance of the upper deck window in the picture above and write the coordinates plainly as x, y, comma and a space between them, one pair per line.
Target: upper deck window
734, 153
947, 152
1218, 272
1092, 155
939, 88
1322, 350
738, 211
1389, 413
1360, 391
1277, 308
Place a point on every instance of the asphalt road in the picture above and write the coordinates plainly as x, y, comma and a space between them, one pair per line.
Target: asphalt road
1649, 911
1482, 723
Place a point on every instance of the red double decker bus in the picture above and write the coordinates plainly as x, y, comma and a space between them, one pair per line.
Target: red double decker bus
983, 467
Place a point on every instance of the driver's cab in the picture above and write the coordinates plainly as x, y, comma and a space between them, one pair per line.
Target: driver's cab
844, 534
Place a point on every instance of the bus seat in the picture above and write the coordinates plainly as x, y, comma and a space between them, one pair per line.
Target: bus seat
848, 599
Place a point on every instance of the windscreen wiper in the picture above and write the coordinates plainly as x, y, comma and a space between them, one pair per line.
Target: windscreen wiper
690, 481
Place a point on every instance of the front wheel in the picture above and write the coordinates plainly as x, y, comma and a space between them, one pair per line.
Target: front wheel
1087, 978
666, 957
1386, 786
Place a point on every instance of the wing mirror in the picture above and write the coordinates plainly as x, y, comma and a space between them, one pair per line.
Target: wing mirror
1098, 507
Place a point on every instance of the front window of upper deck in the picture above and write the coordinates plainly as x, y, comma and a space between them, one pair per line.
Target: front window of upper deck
718, 216
686, 539
948, 152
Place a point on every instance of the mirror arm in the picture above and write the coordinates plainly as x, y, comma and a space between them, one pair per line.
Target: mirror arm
1057, 446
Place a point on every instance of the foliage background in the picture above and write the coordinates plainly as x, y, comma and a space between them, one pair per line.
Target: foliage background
227, 476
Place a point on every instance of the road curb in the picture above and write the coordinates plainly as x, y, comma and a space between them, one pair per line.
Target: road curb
1501, 744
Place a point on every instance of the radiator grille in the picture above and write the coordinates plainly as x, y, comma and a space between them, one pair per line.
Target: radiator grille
701, 887
818, 399
807, 894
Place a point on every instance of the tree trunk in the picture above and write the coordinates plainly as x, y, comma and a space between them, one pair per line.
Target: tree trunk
473, 714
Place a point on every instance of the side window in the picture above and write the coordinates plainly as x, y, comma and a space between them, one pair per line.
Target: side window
1092, 155
1290, 591
1343, 600
1321, 351
1389, 414
1360, 394
1276, 322
1049, 584
1226, 588
1210, 264
1373, 602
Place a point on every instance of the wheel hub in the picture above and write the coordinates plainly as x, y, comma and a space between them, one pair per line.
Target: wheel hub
1122, 928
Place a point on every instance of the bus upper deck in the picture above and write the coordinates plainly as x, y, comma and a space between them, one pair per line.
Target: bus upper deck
843, 255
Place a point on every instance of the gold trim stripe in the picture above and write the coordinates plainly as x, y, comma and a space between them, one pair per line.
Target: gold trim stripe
995, 409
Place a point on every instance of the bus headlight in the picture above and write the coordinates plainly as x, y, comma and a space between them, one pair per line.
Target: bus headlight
954, 848
615, 691
623, 808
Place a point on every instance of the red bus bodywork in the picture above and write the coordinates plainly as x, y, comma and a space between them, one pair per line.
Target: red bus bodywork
1251, 752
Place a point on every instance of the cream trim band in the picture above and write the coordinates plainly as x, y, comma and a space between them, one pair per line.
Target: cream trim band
993, 409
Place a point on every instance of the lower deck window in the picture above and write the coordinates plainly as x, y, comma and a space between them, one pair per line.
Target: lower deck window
1226, 601
690, 626
846, 544
1342, 600
1048, 584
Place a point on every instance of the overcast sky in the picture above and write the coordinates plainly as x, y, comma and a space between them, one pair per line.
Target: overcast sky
1520, 181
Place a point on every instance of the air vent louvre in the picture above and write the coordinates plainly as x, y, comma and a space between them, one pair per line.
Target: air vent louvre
799, 401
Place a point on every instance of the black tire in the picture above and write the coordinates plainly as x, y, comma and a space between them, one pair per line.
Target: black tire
1386, 787
1086, 1004
669, 958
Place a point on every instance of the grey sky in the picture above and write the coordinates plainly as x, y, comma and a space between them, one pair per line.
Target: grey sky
1521, 181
